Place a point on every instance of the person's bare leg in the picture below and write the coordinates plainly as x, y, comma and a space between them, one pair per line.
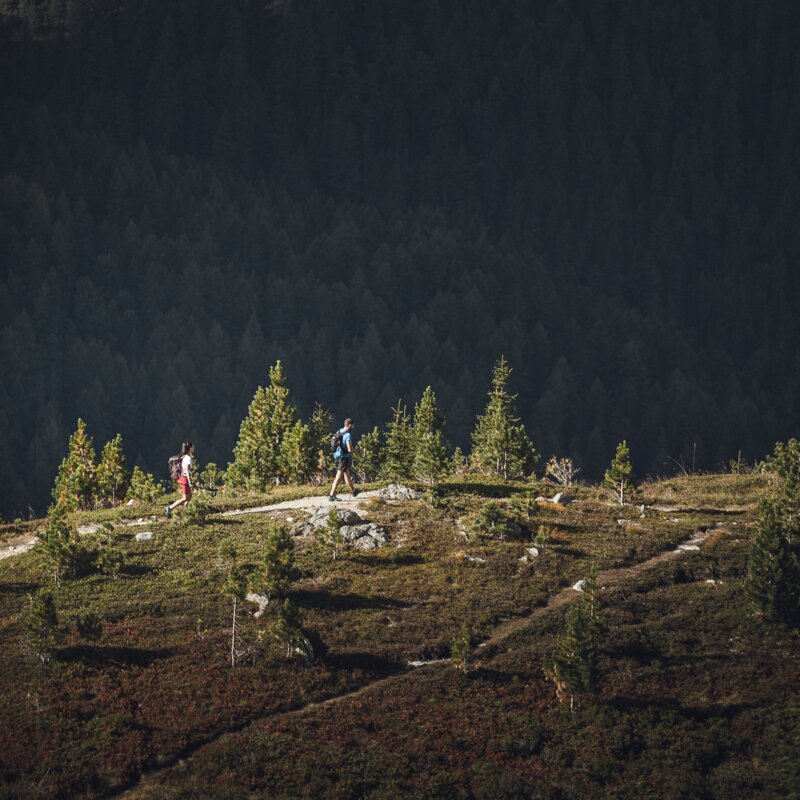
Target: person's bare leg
349, 480
336, 481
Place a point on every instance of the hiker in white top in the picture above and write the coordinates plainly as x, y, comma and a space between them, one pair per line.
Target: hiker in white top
185, 480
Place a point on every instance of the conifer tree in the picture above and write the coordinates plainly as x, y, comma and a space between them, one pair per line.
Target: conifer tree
573, 665
319, 427
257, 455
112, 474
235, 587
461, 649
785, 462
42, 624
57, 545
370, 455
399, 452
143, 487
75, 483
297, 453
430, 452
276, 569
619, 476
287, 628
500, 444
330, 536
773, 577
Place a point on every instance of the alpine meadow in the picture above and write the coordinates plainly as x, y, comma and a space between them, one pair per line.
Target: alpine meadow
399, 399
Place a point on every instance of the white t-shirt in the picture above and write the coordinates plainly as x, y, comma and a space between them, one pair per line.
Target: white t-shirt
186, 463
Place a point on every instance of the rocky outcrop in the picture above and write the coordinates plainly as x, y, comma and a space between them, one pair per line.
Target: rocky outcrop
318, 519
396, 491
367, 536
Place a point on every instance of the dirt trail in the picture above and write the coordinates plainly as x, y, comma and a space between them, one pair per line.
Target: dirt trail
605, 580
347, 502
22, 544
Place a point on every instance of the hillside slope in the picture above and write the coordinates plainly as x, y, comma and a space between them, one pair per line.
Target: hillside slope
697, 698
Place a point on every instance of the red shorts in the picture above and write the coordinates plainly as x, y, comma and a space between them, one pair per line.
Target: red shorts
186, 490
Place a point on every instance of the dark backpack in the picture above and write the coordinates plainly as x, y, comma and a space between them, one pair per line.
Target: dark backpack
175, 468
336, 442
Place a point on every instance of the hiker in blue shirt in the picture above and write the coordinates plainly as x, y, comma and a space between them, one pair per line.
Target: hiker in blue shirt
344, 459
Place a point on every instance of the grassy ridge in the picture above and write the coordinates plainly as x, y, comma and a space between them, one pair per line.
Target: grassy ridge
158, 684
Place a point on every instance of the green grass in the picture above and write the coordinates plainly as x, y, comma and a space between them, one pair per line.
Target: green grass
158, 684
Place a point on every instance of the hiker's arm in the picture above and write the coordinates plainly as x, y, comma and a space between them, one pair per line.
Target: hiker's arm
350, 448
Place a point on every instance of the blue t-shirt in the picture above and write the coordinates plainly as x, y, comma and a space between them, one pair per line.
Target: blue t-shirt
346, 437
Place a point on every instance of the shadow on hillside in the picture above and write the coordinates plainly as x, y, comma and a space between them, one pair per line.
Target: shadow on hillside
103, 656
406, 560
18, 588
497, 676
135, 570
697, 713
343, 602
481, 489
566, 550
368, 662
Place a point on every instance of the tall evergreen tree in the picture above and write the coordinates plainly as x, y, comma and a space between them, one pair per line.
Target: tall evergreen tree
235, 587
430, 453
773, 577
370, 455
75, 483
42, 624
276, 569
319, 431
573, 665
619, 476
257, 455
500, 444
785, 461
297, 453
112, 474
399, 452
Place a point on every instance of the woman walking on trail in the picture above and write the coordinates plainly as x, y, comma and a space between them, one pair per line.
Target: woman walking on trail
185, 479
344, 459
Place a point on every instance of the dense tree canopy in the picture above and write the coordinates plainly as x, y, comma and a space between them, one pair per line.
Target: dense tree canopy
387, 197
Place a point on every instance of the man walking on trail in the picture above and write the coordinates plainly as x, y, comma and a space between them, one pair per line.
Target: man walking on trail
344, 459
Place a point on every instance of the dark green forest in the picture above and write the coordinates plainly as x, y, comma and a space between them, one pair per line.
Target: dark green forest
390, 195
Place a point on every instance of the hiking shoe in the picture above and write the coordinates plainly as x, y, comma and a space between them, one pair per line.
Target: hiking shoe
355, 492
167, 512
332, 498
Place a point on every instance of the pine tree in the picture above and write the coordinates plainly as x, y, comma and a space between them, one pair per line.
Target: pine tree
276, 569
573, 665
370, 455
785, 462
143, 487
319, 427
430, 452
297, 453
287, 629
42, 624
619, 476
112, 474
773, 577
399, 452
330, 536
257, 455
500, 444
235, 587
75, 483
57, 545
461, 649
